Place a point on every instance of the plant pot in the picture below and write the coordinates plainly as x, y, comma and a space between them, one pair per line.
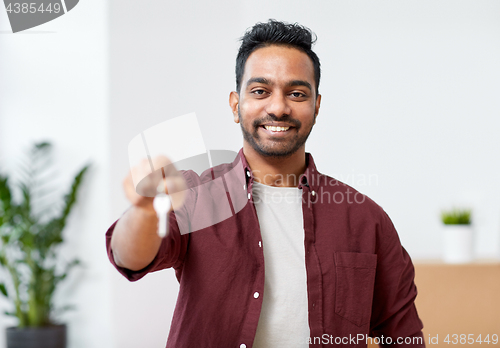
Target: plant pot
53, 336
458, 243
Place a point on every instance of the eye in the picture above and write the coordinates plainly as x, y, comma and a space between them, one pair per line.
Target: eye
298, 95
258, 91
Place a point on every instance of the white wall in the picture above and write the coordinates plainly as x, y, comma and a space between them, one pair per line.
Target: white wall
409, 104
54, 86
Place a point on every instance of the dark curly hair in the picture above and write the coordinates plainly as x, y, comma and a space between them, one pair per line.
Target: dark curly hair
277, 33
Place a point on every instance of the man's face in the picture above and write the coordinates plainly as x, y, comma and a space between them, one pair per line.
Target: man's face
277, 105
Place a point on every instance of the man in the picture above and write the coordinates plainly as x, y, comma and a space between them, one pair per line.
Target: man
307, 260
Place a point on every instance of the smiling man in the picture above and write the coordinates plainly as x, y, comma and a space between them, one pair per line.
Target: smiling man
306, 261
277, 83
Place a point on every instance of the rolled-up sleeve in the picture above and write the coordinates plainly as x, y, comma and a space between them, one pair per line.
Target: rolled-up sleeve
172, 251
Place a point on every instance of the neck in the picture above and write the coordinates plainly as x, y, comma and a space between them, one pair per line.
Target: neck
276, 171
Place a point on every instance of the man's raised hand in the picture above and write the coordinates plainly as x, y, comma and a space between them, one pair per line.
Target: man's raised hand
143, 181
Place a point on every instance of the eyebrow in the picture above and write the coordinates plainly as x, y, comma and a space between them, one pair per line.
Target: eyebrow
292, 83
262, 80
299, 83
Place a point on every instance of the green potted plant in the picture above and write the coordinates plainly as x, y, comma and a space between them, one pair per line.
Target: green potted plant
30, 236
458, 235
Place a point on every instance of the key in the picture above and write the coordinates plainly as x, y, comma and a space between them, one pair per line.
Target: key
162, 203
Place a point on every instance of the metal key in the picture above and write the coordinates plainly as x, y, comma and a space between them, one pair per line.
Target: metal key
162, 203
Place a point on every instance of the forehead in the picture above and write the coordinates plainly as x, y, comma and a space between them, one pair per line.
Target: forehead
279, 64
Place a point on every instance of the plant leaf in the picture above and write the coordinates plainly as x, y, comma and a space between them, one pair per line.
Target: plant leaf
3, 290
68, 268
70, 197
29, 239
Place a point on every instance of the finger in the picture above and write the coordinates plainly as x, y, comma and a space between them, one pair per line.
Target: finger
177, 190
161, 162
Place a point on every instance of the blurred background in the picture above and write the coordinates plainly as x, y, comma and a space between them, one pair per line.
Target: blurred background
409, 116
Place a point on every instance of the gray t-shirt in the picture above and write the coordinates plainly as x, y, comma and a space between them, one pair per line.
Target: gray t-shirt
283, 320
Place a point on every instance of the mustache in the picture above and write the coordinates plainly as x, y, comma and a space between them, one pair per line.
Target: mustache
272, 118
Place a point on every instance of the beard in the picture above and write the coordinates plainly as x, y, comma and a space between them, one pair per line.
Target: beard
278, 148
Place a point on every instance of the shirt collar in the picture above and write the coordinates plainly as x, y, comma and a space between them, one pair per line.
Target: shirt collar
309, 178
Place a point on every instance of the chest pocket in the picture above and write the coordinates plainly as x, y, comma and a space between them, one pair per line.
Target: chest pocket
354, 286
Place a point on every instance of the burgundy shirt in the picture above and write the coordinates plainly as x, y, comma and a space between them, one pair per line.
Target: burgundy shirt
359, 277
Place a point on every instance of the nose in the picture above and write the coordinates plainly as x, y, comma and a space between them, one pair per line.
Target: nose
278, 105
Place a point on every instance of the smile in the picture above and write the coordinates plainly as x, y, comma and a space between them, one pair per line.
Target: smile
276, 129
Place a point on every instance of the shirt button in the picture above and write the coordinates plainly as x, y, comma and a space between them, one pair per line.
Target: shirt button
244, 187
243, 345
313, 193
256, 295
248, 173
260, 244
249, 195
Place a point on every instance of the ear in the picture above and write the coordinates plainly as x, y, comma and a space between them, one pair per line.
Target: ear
316, 107
234, 100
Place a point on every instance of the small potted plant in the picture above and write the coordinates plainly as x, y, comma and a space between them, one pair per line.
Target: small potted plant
30, 236
458, 235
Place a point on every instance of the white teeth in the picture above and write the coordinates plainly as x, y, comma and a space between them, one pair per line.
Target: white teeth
276, 129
